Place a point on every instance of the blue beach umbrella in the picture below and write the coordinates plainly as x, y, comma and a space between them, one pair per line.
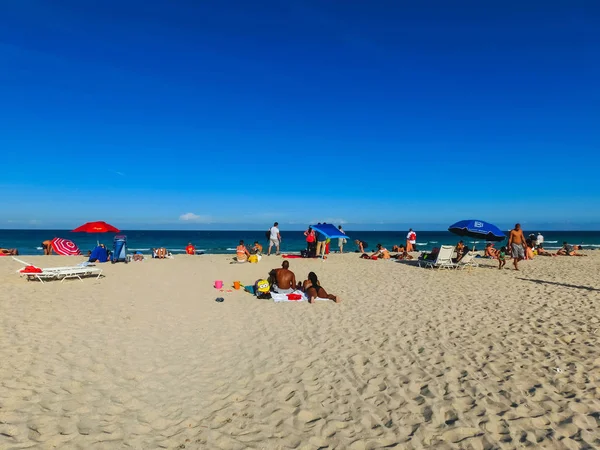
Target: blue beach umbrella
330, 231
477, 229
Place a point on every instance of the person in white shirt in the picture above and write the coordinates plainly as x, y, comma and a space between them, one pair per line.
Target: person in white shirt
411, 241
274, 238
540, 239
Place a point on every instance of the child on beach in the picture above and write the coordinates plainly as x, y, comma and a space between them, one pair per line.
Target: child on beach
502, 258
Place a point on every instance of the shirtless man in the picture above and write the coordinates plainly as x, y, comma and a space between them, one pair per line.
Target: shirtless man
285, 280
9, 251
47, 246
516, 241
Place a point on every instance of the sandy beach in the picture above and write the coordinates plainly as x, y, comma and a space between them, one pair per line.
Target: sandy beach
145, 358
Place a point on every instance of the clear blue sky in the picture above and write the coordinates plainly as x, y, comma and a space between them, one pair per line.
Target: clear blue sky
227, 113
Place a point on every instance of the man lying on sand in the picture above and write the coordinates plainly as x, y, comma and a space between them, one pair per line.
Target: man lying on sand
542, 252
9, 251
313, 289
569, 250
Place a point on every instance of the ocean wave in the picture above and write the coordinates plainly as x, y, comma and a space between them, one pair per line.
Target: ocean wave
590, 245
433, 242
138, 249
39, 248
418, 243
550, 242
231, 249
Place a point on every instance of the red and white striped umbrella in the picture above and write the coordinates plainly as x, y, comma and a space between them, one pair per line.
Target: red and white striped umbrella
65, 247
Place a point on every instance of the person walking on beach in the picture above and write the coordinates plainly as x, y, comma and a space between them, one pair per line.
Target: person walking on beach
411, 240
516, 241
341, 241
274, 238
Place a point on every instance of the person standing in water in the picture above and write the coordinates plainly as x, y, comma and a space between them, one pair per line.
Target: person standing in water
411, 241
516, 241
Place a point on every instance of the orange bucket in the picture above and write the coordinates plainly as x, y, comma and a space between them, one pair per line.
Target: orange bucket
236, 284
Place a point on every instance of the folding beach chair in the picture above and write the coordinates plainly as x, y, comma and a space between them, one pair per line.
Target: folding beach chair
443, 260
467, 261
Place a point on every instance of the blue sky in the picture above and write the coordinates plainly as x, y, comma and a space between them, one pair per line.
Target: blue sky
156, 114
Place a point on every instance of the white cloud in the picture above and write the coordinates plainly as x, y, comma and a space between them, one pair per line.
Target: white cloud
191, 217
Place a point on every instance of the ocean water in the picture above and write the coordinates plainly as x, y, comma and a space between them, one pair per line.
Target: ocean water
28, 242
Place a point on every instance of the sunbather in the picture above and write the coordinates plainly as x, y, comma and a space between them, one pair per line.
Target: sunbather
283, 280
313, 289
542, 252
242, 252
461, 250
257, 249
490, 251
160, 253
9, 251
381, 252
569, 250
398, 248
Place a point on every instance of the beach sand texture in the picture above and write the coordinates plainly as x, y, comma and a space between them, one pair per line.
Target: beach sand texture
145, 358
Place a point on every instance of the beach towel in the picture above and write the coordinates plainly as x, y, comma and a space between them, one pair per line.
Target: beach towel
291, 256
279, 298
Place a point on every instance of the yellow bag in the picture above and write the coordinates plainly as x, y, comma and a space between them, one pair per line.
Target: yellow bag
253, 259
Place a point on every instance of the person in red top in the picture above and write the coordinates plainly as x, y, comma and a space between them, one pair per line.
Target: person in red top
311, 242
190, 249
411, 241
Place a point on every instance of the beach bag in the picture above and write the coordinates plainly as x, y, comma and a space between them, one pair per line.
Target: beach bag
304, 253
253, 259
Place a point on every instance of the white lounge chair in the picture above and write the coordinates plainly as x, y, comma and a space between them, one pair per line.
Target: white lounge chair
443, 260
60, 273
467, 261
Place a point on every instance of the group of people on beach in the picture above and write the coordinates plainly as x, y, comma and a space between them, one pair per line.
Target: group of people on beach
520, 248
318, 244
283, 281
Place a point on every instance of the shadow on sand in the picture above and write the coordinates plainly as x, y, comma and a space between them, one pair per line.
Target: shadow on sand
555, 283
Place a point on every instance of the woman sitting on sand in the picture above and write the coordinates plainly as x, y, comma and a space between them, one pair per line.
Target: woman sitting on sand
461, 250
160, 253
313, 289
529, 251
241, 252
490, 251
381, 252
